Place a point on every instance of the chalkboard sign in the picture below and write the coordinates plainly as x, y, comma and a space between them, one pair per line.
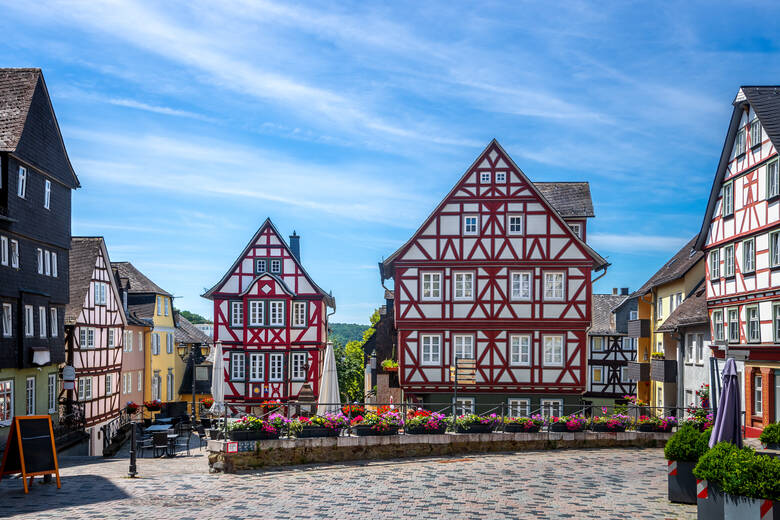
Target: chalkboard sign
30, 449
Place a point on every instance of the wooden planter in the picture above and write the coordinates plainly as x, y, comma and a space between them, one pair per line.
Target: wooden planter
521, 428
308, 432
419, 430
474, 428
681, 482
364, 431
709, 501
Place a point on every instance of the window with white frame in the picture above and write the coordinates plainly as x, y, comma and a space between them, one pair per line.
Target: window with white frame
42, 321
100, 293
553, 351
576, 227
276, 365
260, 266
484, 177
758, 396
470, 224
717, 324
51, 393
520, 349
500, 176
515, 224
464, 286
30, 396
521, 285
128, 344
774, 249
111, 338
15, 254
157, 385
298, 362
85, 388
276, 266
299, 314
728, 260
169, 384
753, 324
159, 305
140, 341
772, 179
728, 199
597, 374
86, 337
552, 407
464, 405
597, 344
55, 328
633, 315
733, 325
237, 366
519, 407
29, 323
776, 323
165, 305
256, 366
553, 286
748, 256
715, 264
699, 349
7, 320
46, 194
739, 142
155, 344
109, 384
276, 313
6, 402
431, 286
236, 314
256, 313
169, 343
659, 308
47, 262
431, 349
624, 375
21, 187
140, 381
690, 347
689, 398
464, 346
755, 133
674, 301
39, 256
4, 251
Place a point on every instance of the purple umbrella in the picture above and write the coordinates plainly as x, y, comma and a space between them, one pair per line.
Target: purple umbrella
727, 425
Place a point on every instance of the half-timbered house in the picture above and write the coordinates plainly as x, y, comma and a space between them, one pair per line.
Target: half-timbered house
272, 320
134, 347
94, 331
499, 273
740, 235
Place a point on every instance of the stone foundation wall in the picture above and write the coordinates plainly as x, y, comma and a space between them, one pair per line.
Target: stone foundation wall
286, 452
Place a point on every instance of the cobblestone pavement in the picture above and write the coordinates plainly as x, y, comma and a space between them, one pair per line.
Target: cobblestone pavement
581, 484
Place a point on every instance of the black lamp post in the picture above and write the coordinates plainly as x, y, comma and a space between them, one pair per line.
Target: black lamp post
183, 349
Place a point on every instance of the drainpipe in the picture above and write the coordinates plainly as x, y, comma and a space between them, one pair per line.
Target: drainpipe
599, 277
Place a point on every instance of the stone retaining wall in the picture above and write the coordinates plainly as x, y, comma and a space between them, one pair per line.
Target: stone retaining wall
247, 455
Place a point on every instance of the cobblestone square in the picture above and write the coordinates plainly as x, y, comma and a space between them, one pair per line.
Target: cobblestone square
597, 484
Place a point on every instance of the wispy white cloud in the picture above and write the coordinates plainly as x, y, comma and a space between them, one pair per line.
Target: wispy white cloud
131, 103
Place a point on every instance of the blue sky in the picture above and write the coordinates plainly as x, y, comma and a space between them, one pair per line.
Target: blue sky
189, 123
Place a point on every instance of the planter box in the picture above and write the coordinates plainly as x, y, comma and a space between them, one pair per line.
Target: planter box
646, 428
663, 370
561, 427
363, 431
604, 428
474, 428
519, 428
154, 408
709, 501
771, 446
316, 431
424, 431
743, 508
682, 483
251, 435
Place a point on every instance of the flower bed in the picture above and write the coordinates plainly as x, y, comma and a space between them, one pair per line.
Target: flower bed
568, 423
328, 425
386, 423
421, 422
524, 424
655, 424
610, 423
473, 423
250, 427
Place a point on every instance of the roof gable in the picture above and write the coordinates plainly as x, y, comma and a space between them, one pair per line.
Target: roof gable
692, 311
188, 333
602, 312
570, 199
677, 266
82, 262
139, 283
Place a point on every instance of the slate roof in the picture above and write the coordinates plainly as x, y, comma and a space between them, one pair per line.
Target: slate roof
188, 333
134, 319
139, 283
17, 87
81, 259
766, 102
675, 268
570, 199
692, 311
601, 314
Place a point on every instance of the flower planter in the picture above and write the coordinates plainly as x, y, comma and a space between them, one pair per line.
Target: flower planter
771, 446
308, 432
420, 430
154, 408
251, 435
474, 428
709, 501
363, 431
561, 427
390, 369
647, 427
603, 427
521, 428
743, 508
681, 482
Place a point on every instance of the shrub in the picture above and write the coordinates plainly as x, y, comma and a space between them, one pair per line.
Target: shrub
771, 434
751, 475
714, 464
686, 444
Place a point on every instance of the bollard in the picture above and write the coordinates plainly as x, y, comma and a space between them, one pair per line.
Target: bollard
132, 470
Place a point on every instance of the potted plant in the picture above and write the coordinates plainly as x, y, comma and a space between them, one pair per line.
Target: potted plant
473, 423
657, 355
424, 422
617, 422
524, 424
132, 407
703, 395
699, 418
682, 452
207, 402
710, 472
375, 424
770, 437
250, 428
665, 424
388, 365
568, 423
154, 405
328, 425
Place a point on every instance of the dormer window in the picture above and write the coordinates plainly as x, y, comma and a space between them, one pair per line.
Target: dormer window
755, 133
484, 177
276, 266
260, 266
470, 224
577, 228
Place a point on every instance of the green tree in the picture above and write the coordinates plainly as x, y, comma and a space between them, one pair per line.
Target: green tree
193, 318
350, 364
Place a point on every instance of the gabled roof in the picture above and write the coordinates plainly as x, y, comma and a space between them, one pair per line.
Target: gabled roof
328, 298
692, 311
188, 333
601, 316
554, 189
139, 283
682, 262
570, 199
82, 258
17, 87
765, 101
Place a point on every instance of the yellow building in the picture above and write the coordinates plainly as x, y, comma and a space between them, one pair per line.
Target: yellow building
190, 340
656, 300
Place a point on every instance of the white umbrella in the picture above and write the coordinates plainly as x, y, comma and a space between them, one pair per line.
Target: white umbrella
217, 380
329, 384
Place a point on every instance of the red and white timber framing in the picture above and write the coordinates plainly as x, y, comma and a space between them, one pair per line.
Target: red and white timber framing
542, 244
272, 344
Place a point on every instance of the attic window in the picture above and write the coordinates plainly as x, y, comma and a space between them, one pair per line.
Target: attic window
755, 133
739, 143
259, 266
500, 176
484, 177
276, 266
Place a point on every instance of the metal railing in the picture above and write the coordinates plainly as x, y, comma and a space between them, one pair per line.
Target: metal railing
70, 419
114, 428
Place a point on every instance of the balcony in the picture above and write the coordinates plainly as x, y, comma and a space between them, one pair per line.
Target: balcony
639, 328
637, 371
663, 370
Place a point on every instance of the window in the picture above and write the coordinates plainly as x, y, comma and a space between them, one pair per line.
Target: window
552, 407
689, 398
521, 286
774, 249
109, 384
202, 373
6, 402
169, 384
165, 305
47, 262
733, 324
515, 224
39, 252
464, 347
739, 143
758, 392
236, 314
128, 347
54, 264
7, 320
42, 321
3, 250
597, 375
728, 260
717, 325
772, 180
21, 188
553, 351
55, 329
753, 324
520, 350
86, 337
699, 349
29, 327
51, 393
276, 266
715, 264
156, 384
500, 176
728, 199
15, 254
431, 350
431, 286
464, 286
484, 177
155, 344
100, 293
519, 407
576, 228
259, 266
470, 225
776, 323
110, 336
159, 305
464, 405
256, 366
85, 389
169, 343
633, 315
140, 381
30, 396
237, 366
276, 314
553, 286
674, 301
299, 314
256, 313
277, 367
755, 133
46, 193
748, 256
140, 341
689, 348
597, 344
298, 360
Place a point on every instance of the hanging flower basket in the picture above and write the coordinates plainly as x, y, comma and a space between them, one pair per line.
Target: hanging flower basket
154, 405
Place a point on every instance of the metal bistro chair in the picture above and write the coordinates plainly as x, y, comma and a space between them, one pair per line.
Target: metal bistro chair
160, 443
143, 441
201, 435
183, 441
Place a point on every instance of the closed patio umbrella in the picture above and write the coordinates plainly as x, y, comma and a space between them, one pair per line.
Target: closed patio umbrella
217, 380
728, 419
329, 384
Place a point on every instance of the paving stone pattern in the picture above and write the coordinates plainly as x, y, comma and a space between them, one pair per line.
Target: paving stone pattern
582, 484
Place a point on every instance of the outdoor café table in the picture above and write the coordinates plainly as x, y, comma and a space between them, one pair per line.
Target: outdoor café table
163, 420
172, 444
158, 428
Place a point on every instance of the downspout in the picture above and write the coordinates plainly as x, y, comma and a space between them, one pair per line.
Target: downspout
599, 277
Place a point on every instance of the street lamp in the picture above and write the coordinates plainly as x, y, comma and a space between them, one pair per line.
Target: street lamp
183, 349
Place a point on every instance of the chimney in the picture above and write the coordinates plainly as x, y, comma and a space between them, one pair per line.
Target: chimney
624, 291
295, 245
614, 291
